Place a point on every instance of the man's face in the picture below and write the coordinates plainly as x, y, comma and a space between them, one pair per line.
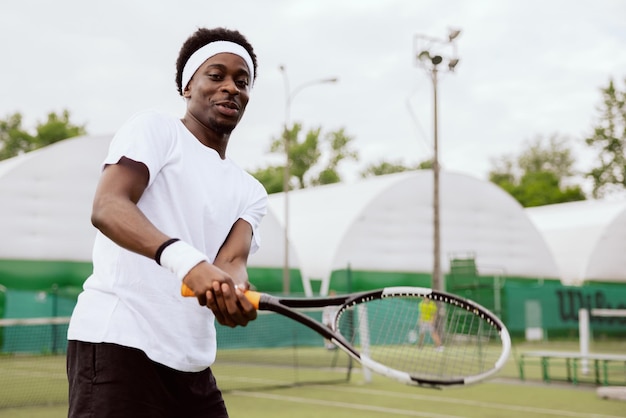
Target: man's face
218, 92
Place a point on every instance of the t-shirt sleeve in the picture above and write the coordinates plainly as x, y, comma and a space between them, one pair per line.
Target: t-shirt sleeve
255, 212
146, 138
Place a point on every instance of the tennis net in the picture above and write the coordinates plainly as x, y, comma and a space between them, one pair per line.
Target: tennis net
32, 361
270, 352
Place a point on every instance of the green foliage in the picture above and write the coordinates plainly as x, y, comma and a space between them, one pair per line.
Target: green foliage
609, 138
340, 148
389, 167
538, 188
426, 165
15, 139
56, 128
554, 157
305, 156
327, 176
271, 177
537, 176
382, 168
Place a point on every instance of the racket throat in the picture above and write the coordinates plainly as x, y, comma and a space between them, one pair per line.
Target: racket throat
346, 347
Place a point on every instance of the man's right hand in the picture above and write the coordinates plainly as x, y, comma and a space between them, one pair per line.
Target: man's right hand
215, 289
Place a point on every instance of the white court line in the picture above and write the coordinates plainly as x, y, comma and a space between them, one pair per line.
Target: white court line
346, 405
505, 407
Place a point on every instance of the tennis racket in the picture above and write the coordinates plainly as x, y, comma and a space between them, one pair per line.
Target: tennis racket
386, 331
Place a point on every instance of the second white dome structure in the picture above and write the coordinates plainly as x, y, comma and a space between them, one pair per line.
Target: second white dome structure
385, 224
587, 239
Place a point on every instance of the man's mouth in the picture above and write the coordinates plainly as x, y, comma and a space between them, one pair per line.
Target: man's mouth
229, 104
228, 108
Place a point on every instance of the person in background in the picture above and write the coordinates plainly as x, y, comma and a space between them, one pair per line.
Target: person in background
170, 208
427, 323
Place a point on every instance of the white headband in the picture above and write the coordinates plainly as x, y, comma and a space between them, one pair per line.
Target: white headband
201, 55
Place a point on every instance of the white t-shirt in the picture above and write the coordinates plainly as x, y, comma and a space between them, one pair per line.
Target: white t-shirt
192, 194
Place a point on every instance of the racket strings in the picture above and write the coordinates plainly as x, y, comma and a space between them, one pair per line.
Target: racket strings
468, 337
391, 332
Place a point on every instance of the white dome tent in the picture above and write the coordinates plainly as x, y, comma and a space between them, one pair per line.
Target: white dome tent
385, 224
271, 253
46, 200
587, 239
45, 210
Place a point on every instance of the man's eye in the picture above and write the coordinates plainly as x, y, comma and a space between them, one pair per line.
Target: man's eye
242, 83
215, 76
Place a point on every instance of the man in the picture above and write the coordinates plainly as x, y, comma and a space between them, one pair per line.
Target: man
427, 323
170, 208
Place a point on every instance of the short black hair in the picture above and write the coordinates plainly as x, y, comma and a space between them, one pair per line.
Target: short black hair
204, 36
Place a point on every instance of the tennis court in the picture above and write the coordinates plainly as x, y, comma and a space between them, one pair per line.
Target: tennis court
315, 389
381, 398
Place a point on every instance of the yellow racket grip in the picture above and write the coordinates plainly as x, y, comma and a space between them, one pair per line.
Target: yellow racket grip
186, 291
252, 296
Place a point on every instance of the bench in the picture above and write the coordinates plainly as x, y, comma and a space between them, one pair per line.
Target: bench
602, 364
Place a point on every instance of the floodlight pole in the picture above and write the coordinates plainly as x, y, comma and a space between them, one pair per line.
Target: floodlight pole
430, 62
289, 95
437, 282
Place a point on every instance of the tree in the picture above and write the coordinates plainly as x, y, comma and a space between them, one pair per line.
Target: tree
15, 140
386, 167
339, 143
551, 155
609, 138
56, 128
538, 175
307, 167
303, 155
271, 178
543, 188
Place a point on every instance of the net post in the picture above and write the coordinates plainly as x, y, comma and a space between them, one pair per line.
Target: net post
365, 340
583, 332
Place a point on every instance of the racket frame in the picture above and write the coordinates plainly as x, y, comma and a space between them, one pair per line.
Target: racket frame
286, 306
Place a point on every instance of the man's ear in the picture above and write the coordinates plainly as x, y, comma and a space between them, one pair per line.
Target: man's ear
186, 93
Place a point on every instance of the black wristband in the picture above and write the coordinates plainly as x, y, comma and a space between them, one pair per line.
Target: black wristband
159, 251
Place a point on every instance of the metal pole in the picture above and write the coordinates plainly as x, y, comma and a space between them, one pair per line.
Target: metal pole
429, 60
289, 95
286, 273
286, 174
436, 281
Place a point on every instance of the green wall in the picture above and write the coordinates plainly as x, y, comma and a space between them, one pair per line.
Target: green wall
270, 280
49, 288
560, 305
42, 274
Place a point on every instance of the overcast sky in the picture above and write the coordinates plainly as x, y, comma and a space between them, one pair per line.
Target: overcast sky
526, 68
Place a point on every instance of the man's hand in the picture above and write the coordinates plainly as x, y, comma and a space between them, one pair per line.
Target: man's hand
215, 289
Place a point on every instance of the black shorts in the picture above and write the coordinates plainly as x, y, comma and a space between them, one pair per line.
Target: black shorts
109, 380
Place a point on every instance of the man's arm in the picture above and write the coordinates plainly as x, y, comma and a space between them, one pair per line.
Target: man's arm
233, 255
229, 305
116, 215
115, 212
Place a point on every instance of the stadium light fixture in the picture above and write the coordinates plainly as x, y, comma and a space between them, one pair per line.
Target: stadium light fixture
431, 55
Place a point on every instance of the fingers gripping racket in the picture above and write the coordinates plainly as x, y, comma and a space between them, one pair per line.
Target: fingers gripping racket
392, 333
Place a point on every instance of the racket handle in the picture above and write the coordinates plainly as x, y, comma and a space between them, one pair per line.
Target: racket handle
186, 291
252, 296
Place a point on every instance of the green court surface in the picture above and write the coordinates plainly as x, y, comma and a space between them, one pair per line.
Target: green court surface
268, 391
381, 398
322, 387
